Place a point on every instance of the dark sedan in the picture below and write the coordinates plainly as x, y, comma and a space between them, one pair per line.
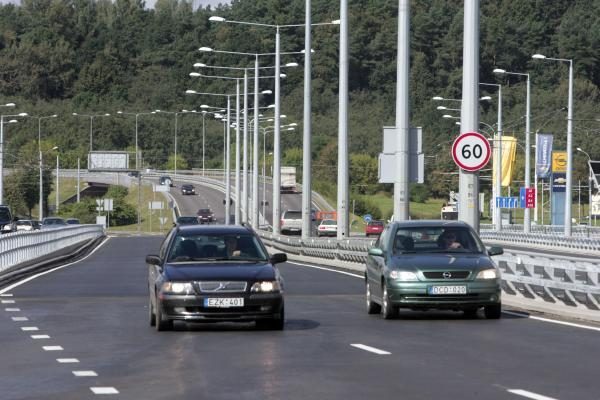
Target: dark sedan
188, 189
432, 265
205, 215
215, 273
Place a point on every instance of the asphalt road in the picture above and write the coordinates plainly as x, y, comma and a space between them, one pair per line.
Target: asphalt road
96, 311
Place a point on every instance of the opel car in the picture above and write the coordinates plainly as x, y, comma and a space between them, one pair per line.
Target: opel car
214, 273
432, 265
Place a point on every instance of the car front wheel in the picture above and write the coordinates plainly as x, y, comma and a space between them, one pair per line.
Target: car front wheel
275, 324
388, 311
162, 323
151, 315
493, 311
372, 307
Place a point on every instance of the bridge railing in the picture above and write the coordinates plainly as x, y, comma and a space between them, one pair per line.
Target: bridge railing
20, 247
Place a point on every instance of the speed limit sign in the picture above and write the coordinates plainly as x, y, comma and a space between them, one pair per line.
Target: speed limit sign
471, 151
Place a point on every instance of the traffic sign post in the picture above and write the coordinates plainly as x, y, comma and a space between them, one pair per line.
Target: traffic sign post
471, 151
367, 218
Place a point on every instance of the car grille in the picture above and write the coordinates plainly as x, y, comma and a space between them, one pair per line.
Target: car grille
439, 275
221, 286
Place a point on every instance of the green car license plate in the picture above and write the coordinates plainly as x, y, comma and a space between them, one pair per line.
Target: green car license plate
224, 302
447, 289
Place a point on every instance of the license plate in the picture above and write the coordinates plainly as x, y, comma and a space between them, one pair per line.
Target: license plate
435, 290
223, 302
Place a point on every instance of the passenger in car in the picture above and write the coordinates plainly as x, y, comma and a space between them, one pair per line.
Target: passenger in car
448, 240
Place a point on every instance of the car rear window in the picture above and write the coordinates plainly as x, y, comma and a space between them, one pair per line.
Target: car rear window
376, 223
329, 222
292, 215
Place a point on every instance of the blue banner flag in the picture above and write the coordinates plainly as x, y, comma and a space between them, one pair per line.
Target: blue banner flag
543, 154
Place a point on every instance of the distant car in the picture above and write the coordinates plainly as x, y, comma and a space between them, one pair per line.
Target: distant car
291, 222
6, 219
205, 215
186, 220
374, 228
72, 221
134, 174
432, 265
26, 225
53, 223
213, 274
188, 189
327, 227
165, 180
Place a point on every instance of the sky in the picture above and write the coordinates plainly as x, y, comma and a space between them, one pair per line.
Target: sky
150, 3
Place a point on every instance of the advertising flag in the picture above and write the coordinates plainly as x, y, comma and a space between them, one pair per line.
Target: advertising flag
543, 154
509, 156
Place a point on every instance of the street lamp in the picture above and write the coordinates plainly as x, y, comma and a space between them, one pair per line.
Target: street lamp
41, 201
91, 117
527, 217
589, 185
569, 188
2, 146
57, 182
136, 132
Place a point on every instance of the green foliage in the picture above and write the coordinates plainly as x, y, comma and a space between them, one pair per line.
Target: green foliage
85, 211
365, 205
419, 193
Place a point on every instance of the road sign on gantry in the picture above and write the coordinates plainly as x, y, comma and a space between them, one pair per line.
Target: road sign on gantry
471, 151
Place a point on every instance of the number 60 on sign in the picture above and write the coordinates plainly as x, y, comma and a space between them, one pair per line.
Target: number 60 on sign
471, 151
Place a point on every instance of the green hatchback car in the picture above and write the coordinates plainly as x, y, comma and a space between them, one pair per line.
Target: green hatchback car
425, 265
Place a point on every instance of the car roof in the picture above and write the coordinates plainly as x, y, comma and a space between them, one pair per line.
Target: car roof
214, 229
430, 223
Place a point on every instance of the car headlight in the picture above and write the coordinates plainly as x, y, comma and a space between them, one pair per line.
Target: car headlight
265, 287
177, 287
488, 274
403, 275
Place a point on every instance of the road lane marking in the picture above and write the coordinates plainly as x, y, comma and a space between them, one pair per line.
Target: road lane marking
67, 360
84, 373
370, 349
553, 321
104, 390
52, 348
327, 269
8, 302
40, 336
29, 328
19, 283
18, 319
6, 295
530, 395
12, 309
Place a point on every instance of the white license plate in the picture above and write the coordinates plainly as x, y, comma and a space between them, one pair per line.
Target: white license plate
447, 290
224, 302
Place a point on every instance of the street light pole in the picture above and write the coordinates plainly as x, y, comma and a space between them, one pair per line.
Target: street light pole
41, 200
57, 185
255, 217
589, 185
498, 183
343, 180
245, 213
306, 136
2, 149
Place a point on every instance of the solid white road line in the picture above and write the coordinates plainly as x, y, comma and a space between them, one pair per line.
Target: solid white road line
19, 283
84, 373
40, 336
530, 395
19, 319
12, 309
67, 360
553, 321
29, 328
104, 390
370, 349
52, 348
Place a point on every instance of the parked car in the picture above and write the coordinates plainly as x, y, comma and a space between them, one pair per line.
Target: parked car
432, 265
165, 180
72, 221
26, 225
205, 215
212, 274
188, 189
327, 227
186, 220
6, 219
374, 228
53, 223
291, 222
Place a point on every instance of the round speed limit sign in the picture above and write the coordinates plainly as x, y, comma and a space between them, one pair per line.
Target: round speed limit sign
471, 151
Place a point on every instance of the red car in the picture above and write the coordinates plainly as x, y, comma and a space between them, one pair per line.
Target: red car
374, 228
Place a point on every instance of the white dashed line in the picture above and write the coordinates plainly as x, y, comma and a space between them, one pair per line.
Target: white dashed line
40, 336
19, 319
6, 295
553, 321
67, 360
327, 269
104, 390
530, 395
52, 348
8, 302
29, 328
12, 309
84, 373
370, 349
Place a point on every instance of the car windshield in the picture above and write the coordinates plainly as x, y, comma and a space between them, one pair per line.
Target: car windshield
188, 247
4, 214
54, 221
204, 211
187, 220
436, 240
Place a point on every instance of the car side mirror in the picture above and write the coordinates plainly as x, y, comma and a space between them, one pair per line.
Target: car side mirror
278, 258
377, 252
495, 251
153, 260
15, 219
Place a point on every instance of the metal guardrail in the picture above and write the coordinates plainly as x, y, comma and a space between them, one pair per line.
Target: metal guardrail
20, 247
554, 230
